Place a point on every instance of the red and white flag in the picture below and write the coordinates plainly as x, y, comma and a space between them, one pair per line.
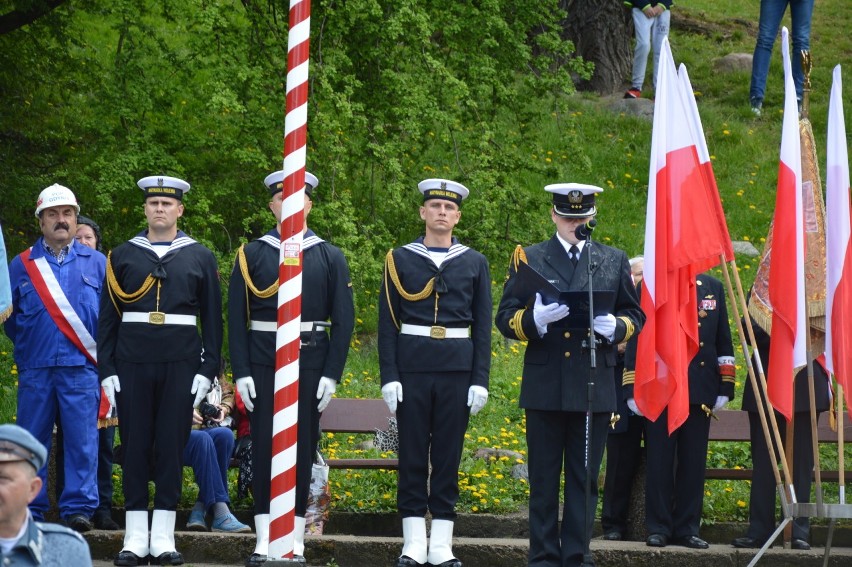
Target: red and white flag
681, 240
838, 261
706, 165
787, 278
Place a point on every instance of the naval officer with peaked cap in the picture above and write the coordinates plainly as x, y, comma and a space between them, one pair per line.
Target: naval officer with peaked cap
556, 376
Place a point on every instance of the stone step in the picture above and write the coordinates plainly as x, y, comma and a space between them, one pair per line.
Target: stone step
369, 551
362, 551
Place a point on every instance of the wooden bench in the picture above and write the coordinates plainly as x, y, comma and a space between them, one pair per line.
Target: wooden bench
347, 415
733, 425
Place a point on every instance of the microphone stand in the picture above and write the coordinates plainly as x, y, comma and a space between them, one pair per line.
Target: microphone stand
590, 391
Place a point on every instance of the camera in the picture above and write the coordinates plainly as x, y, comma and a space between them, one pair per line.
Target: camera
208, 412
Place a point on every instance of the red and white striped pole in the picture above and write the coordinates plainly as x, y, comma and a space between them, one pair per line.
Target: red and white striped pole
284, 423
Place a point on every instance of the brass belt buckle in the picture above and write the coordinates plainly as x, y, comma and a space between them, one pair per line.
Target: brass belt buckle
437, 332
157, 318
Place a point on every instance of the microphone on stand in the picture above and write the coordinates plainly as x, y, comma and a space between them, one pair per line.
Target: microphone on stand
584, 231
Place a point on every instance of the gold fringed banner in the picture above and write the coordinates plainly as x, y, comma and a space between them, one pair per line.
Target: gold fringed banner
814, 216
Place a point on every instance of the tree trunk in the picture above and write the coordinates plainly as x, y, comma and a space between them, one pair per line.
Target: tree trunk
602, 32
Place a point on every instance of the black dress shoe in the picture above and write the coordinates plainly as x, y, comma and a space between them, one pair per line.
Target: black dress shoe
167, 558
79, 523
612, 536
657, 540
746, 542
103, 521
406, 561
129, 559
255, 559
692, 542
800, 544
449, 563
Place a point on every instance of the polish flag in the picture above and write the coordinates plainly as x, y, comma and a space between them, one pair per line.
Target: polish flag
681, 240
706, 165
838, 304
787, 277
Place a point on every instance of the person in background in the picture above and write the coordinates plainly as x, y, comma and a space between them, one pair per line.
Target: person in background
163, 288
674, 483
557, 370
252, 323
623, 447
651, 20
435, 350
208, 452
771, 13
56, 288
24, 541
762, 492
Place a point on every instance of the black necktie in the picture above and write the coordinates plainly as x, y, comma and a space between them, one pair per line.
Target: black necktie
575, 254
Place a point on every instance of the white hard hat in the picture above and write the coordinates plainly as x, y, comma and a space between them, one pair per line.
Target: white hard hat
55, 196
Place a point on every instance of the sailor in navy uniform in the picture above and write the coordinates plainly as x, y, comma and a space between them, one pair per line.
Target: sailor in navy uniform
674, 487
252, 325
435, 349
162, 286
554, 391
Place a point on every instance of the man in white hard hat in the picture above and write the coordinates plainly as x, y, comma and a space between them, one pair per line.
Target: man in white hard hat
162, 288
56, 288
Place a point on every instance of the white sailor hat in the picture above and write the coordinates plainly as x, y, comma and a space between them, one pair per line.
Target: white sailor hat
275, 182
443, 189
163, 186
18, 444
574, 200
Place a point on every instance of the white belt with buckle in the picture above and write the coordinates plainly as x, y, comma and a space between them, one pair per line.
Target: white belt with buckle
435, 331
272, 326
157, 318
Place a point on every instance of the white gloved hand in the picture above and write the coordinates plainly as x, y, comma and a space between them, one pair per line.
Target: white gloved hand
721, 402
543, 315
200, 387
476, 398
631, 403
327, 387
392, 394
245, 386
605, 326
111, 385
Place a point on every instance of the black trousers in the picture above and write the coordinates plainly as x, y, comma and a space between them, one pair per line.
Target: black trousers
432, 420
557, 440
261, 435
674, 485
761, 507
623, 454
155, 417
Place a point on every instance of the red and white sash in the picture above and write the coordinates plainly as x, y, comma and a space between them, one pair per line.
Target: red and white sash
58, 306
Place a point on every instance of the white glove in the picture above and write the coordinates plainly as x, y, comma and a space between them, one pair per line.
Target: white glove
111, 386
543, 315
392, 394
327, 387
245, 386
631, 403
200, 387
605, 326
721, 402
476, 398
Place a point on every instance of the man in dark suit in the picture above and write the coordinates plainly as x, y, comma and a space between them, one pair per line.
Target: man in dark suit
623, 446
556, 391
674, 487
761, 511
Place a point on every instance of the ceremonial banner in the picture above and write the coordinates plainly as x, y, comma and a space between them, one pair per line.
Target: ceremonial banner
681, 240
838, 302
